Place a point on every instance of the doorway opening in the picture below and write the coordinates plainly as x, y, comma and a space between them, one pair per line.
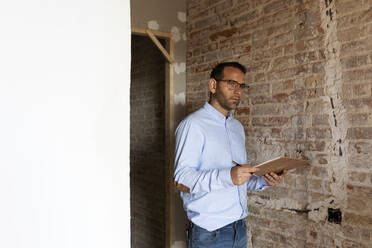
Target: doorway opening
151, 139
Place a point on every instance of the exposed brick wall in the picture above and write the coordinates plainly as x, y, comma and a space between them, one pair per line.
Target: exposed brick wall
147, 157
309, 69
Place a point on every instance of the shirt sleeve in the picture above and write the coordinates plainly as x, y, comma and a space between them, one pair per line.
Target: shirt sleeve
256, 183
188, 151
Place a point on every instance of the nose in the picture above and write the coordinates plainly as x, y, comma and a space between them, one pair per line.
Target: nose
238, 91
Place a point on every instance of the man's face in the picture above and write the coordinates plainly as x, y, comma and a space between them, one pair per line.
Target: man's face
227, 97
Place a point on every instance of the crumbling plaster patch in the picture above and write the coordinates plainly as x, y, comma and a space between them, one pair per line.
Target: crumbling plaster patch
153, 24
181, 16
179, 98
180, 67
337, 168
176, 35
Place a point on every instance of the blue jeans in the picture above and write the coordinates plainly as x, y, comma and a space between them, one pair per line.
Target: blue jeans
233, 235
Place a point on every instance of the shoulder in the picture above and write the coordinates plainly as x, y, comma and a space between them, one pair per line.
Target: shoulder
194, 119
237, 124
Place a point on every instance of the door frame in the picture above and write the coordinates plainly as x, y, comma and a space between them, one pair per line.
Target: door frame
168, 53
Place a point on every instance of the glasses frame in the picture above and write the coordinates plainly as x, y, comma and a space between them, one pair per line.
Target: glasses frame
232, 84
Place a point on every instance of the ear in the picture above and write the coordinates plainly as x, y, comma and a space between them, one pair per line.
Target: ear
212, 85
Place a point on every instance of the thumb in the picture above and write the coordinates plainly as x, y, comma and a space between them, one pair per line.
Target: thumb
249, 168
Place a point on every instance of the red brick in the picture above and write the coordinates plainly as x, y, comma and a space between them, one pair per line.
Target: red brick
359, 191
315, 184
265, 110
283, 86
243, 49
281, 39
319, 172
276, 5
355, 61
293, 134
260, 77
360, 119
260, 44
281, 97
344, 7
258, 66
311, 44
318, 67
280, 29
304, 58
359, 161
352, 244
267, 53
223, 34
349, 20
270, 121
306, 33
359, 133
259, 89
357, 104
320, 120
358, 177
245, 18
262, 99
261, 222
358, 220
315, 93
242, 111
318, 133
351, 232
315, 146
349, 34
283, 62
367, 15
361, 90
275, 133
356, 45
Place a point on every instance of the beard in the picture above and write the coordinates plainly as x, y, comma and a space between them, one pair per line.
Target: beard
225, 102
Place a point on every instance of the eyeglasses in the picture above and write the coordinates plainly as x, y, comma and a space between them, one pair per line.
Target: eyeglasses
232, 84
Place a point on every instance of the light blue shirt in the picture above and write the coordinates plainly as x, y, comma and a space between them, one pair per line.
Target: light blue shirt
206, 144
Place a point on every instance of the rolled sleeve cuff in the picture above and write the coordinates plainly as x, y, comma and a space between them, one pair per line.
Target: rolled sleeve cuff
263, 183
226, 177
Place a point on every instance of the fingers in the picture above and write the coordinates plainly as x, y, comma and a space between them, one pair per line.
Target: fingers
248, 168
272, 178
182, 187
241, 174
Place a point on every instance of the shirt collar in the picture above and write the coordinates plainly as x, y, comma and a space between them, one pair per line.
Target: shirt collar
215, 113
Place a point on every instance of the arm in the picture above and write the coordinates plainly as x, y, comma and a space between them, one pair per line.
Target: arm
188, 151
260, 183
256, 183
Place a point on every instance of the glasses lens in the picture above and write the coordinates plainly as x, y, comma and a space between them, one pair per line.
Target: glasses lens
232, 84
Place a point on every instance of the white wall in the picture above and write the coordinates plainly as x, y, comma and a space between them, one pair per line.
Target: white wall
64, 123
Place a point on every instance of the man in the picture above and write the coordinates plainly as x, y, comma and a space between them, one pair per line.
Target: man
210, 165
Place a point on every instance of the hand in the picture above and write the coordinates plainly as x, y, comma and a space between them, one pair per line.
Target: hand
181, 187
241, 173
273, 179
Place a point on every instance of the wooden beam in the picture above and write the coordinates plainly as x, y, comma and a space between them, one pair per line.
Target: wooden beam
159, 45
142, 31
169, 140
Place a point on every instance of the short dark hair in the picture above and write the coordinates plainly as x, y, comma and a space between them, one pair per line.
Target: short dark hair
217, 72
